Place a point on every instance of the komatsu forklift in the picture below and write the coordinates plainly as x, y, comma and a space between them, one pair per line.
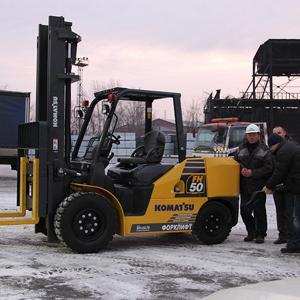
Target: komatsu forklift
83, 201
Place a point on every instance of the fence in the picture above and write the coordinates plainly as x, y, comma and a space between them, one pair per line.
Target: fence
128, 143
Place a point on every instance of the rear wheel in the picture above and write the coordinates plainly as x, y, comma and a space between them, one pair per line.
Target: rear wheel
85, 222
213, 223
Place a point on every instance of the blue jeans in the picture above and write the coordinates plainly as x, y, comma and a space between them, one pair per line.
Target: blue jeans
294, 242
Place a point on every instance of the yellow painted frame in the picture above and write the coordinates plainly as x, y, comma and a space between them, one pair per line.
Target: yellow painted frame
17, 217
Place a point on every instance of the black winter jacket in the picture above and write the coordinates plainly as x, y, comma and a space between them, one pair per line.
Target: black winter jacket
287, 167
261, 163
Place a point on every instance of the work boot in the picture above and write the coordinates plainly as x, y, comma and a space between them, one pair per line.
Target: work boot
280, 241
249, 238
259, 239
290, 250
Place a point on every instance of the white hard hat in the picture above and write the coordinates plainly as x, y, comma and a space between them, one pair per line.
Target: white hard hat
252, 128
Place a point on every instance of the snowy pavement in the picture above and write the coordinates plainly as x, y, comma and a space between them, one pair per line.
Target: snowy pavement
170, 266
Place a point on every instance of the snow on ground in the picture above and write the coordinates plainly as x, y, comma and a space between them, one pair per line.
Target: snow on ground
172, 266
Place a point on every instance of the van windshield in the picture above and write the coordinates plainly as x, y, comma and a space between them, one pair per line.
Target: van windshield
236, 136
210, 136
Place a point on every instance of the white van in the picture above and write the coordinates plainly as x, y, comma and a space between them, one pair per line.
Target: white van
222, 137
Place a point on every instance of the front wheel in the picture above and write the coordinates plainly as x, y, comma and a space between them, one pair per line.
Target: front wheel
85, 222
213, 223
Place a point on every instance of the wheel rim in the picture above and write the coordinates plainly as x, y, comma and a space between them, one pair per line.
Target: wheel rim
89, 224
212, 223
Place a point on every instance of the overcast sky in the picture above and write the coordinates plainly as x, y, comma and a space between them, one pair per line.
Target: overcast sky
191, 46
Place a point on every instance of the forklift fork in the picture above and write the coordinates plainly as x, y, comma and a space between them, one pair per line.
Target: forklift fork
25, 194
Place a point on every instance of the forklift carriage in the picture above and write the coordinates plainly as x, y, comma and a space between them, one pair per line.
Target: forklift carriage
75, 200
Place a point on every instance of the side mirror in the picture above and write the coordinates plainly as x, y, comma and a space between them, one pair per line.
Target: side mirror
105, 108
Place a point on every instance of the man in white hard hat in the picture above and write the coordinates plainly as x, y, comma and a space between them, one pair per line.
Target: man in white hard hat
256, 167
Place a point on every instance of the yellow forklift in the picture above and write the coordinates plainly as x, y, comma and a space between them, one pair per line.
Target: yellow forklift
83, 201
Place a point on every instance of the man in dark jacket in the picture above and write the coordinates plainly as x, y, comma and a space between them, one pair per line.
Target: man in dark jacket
287, 170
284, 202
256, 166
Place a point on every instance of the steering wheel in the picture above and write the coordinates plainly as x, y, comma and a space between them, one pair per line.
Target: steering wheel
114, 139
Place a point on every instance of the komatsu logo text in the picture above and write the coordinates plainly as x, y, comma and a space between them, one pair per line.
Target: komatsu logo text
55, 111
174, 207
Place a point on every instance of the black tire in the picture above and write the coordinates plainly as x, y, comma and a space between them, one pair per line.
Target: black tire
213, 223
85, 222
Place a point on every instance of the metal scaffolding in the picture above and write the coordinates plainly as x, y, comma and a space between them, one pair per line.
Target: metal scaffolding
273, 95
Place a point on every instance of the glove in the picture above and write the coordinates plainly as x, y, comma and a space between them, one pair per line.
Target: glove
266, 190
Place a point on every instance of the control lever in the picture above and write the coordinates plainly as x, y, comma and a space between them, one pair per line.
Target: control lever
111, 156
72, 172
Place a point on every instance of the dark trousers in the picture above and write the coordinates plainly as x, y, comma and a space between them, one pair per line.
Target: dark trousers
284, 203
254, 218
294, 241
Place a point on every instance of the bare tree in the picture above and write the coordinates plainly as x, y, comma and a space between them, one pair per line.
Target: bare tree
193, 115
130, 114
97, 118
133, 117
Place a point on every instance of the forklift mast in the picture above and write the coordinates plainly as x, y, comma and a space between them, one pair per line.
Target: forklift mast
57, 46
50, 135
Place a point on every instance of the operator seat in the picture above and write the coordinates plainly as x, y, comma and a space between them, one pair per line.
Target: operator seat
143, 167
151, 151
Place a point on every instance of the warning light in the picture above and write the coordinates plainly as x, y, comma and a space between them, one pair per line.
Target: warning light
111, 98
85, 103
225, 120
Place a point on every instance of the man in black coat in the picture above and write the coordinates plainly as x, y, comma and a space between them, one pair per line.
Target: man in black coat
284, 202
287, 170
256, 166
